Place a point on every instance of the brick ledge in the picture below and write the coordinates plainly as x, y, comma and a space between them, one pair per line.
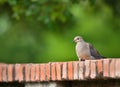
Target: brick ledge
60, 71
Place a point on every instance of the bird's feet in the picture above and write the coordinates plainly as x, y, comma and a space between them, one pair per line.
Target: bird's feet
81, 59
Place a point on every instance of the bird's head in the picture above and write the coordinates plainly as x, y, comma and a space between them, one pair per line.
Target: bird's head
78, 39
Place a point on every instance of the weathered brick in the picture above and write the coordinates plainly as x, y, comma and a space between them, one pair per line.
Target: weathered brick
27, 72
75, 65
100, 68
10, 72
106, 67
42, 72
17, 72
21, 74
117, 68
64, 71
32, 73
37, 72
53, 71
112, 68
48, 75
70, 70
58, 70
4, 73
0, 72
81, 69
93, 73
87, 68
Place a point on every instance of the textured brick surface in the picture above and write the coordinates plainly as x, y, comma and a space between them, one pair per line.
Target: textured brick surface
42, 72
27, 72
48, 75
53, 71
10, 74
100, 68
93, 72
1, 73
60, 71
87, 68
32, 74
70, 70
112, 68
81, 68
18, 72
76, 71
106, 68
64, 70
117, 68
4, 72
37, 74
21, 73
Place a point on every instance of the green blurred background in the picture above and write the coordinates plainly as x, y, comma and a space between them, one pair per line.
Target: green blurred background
43, 30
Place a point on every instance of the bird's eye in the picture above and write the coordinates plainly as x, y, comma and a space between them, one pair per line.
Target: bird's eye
77, 38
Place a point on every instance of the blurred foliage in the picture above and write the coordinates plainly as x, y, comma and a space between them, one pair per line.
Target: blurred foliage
45, 11
43, 30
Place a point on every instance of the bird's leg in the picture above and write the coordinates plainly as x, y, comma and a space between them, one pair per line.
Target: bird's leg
80, 59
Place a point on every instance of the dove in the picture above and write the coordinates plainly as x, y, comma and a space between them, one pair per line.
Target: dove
85, 50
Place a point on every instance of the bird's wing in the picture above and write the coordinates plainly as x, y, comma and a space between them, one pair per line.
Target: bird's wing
94, 52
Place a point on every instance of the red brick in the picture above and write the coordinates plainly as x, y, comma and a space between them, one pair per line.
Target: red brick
87, 68
70, 70
19, 72
64, 71
59, 70
32, 70
48, 76
81, 70
100, 67
53, 72
117, 68
27, 72
0, 72
4, 73
10, 72
75, 65
37, 71
106, 67
93, 73
112, 68
42, 72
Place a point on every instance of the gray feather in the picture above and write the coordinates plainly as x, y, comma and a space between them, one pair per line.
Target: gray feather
94, 52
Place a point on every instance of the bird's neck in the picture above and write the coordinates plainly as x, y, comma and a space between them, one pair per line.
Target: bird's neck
80, 42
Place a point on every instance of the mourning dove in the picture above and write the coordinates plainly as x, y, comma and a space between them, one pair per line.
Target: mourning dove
85, 51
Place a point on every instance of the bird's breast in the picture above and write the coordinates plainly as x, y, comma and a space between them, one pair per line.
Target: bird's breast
82, 50
81, 47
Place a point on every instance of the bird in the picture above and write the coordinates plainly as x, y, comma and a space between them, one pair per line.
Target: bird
85, 50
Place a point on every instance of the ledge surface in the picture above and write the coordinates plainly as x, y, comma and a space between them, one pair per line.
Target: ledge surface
61, 71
